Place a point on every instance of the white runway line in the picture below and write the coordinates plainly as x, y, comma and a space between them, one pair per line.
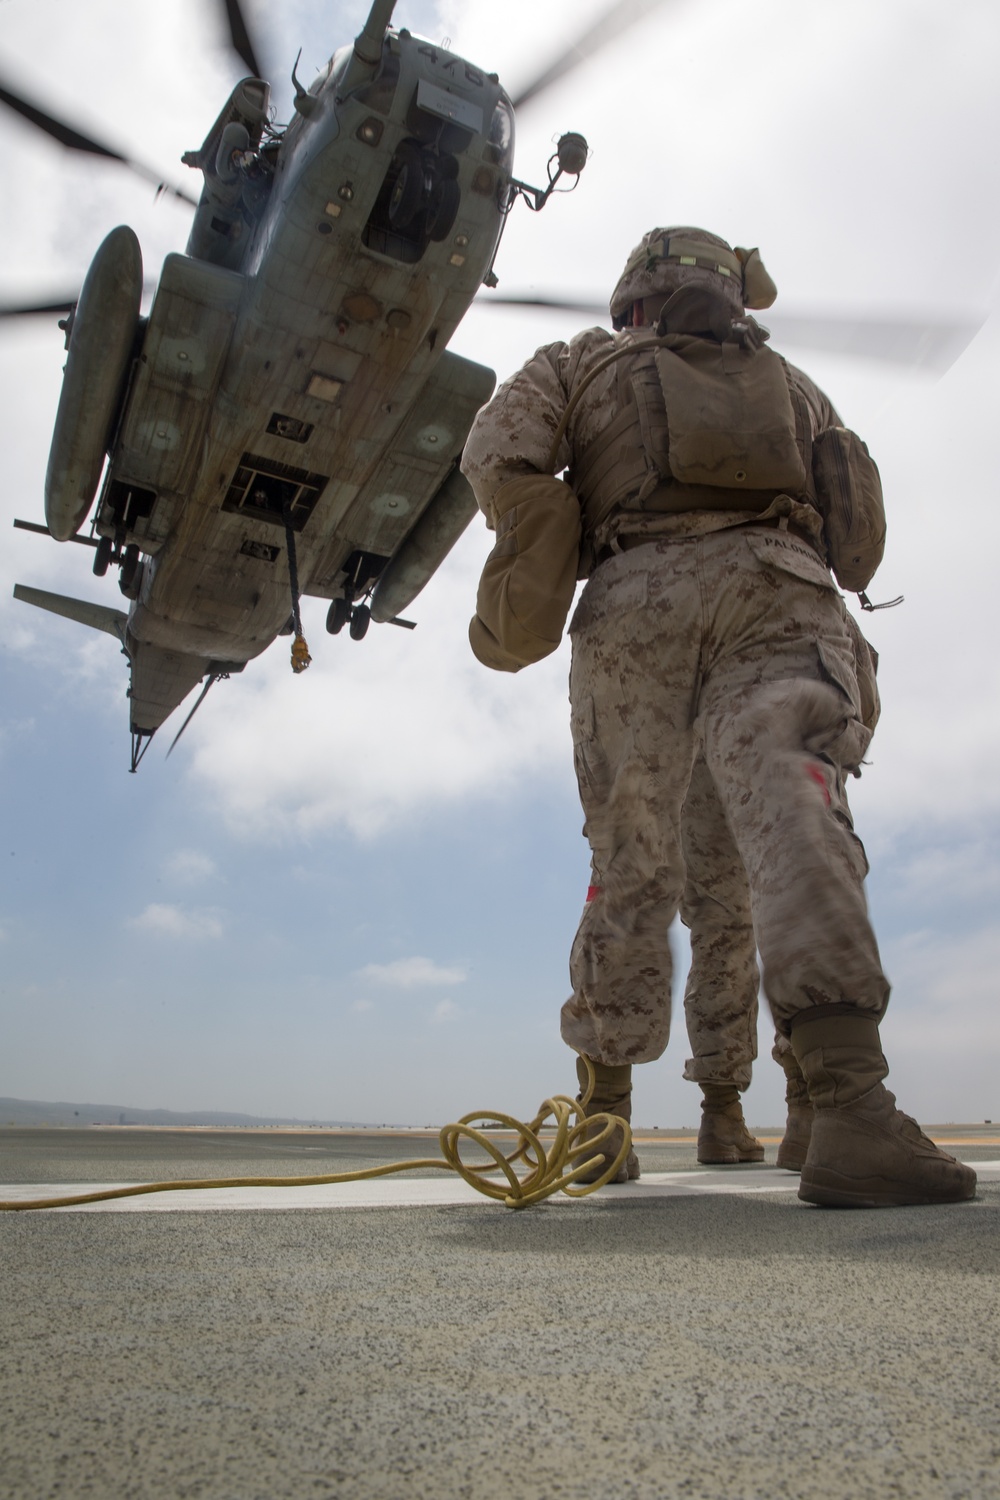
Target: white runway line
413, 1193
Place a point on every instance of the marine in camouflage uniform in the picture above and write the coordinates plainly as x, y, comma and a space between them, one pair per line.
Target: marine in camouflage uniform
710, 626
721, 994
720, 997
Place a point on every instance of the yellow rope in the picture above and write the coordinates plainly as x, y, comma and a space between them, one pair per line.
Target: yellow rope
572, 1153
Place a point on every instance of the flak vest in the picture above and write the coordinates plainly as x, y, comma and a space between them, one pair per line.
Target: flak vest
701, 426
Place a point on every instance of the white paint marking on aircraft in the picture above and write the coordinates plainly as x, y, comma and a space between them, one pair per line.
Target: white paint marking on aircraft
445, 1192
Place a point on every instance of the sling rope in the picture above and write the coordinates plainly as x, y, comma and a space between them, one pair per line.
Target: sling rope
300, 651
573, 1152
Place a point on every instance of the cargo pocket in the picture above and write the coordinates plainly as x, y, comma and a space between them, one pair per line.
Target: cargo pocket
865, 670
848, 750
836, 668
776, 549
589, 759
594, 780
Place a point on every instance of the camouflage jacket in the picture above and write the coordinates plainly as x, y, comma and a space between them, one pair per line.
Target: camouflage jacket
514, 433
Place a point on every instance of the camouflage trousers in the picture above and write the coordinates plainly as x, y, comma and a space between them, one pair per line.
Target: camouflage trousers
720, 997
732, 646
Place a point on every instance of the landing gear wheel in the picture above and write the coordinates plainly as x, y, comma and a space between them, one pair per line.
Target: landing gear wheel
360, 620
443, 209
102, 555
128, 581
338, 615
407, 194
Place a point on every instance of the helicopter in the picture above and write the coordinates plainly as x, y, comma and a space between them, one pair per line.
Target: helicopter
287, 418
211, 500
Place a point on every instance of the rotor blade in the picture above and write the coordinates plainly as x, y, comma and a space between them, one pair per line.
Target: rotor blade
64, 304
30, 309
213, 677
620, 16
58, 129
564, 304
75, 139
903, 341
239, 36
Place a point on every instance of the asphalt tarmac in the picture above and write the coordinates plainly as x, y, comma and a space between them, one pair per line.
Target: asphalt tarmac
698, 1334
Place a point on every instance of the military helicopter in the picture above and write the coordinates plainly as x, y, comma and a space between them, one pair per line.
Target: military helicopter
288, 418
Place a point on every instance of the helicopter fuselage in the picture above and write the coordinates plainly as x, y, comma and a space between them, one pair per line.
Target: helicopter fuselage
292, 380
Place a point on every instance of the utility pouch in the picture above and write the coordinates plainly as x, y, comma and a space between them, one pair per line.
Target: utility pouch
865, 669
849, 494
529, 578
730, 417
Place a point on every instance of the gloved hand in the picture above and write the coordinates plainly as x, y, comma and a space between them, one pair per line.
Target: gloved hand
529, 578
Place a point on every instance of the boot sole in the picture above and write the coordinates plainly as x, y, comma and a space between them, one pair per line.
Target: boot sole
731, 1161
832, 1190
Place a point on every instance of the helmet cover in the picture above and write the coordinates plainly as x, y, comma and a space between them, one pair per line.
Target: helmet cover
666, 259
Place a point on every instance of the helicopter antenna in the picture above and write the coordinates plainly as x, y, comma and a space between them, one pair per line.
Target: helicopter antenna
141, 742
212, 677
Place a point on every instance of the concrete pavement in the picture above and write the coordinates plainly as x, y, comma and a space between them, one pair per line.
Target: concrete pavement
698, 1334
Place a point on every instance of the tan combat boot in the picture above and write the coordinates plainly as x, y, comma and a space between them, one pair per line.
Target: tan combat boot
864, 1152
612, 1095
724, 1138
798, 1127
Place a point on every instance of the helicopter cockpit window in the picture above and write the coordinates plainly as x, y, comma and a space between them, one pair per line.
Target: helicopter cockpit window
502, 134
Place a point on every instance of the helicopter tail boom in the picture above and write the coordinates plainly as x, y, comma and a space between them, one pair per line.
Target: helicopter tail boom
160, 679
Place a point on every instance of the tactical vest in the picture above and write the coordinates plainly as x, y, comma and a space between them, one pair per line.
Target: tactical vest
701, 425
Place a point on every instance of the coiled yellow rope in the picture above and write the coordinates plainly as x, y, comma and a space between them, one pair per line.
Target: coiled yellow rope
571, 1154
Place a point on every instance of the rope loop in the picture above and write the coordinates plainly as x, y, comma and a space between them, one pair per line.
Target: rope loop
558, 1169
579, 1141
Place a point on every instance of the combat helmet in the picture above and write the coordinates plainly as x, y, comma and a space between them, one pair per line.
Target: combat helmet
666, 259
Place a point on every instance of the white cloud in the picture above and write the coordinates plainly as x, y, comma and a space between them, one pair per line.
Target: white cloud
190, 866
401, 726
942, 1029
408, 973
173, 921
969, 872
383, 731
360, 1007
407, 726
445, 1010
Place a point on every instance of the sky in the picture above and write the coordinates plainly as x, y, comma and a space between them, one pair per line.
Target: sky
350, 895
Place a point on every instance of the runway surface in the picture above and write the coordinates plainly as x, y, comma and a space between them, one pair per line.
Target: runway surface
700, 1333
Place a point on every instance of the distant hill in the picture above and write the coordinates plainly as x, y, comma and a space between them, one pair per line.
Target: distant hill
37, 1112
